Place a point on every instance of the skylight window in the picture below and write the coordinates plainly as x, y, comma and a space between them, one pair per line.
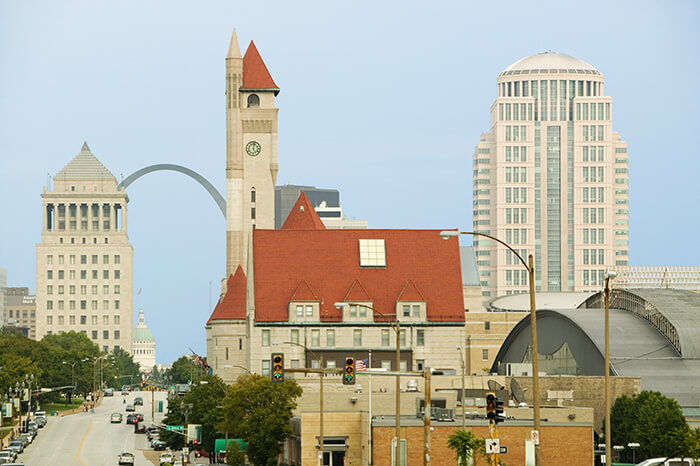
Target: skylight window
372, 253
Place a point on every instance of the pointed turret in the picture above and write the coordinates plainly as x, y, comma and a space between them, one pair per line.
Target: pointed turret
85, 148
255, 74
233, 50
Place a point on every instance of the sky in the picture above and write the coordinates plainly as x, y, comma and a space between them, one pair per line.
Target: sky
383, 101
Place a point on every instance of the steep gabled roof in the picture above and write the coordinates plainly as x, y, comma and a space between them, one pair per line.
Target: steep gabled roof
303, 216
255, 73
303, 292
357, 293
329, 261
410, 292
233, 304
84, 166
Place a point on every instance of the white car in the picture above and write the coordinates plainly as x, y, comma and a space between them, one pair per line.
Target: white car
166, 458
115, 418
669, 462
126, 458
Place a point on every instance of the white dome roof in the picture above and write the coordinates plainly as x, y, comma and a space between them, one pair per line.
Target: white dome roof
550, 62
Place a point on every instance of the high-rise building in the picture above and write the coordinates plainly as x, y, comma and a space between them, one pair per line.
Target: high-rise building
3, 285
84, 262
251, 150
326, 203
20, 310
550, 179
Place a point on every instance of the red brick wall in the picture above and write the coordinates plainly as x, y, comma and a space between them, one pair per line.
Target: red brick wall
560, 445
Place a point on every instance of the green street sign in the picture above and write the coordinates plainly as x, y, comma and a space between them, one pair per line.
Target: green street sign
175, 428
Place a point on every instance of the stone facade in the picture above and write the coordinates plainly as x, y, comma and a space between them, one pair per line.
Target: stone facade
20, 310
485, 333
85, 261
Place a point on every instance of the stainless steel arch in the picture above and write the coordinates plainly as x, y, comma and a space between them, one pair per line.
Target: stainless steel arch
213, 192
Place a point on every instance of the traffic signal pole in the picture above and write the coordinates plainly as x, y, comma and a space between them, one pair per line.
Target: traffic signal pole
426, 419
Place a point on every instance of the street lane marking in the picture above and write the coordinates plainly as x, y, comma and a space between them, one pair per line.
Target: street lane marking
87, 429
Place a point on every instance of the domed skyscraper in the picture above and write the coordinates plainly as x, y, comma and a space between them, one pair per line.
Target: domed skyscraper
550, 179
144, 345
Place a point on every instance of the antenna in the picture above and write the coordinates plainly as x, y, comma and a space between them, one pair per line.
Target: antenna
493, 385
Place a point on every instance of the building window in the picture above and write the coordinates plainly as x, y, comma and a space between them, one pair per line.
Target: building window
105, 259
105, 274
116, 304
420, 365
406, 310
386, 364
330, 337
62, 320
309, 310
385, 337
116, 289
94, 334
331, 365
487, 325
266, 337
266, 368
105, 334
49, 289
116, 334
315, 337
83, 320
253, 100
116, 320
295, 336
49, 306
117, 259
416, 310
485, 355
300, 310
357, 337
105, 319
353, 310
420, 337
402, 337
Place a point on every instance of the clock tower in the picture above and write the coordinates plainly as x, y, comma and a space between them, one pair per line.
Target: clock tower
251, 151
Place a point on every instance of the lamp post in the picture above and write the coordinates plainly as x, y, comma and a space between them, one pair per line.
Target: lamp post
461, 357
633, 446
397, 328
608, 434
72, 373
530, 267
231, 366
320, 401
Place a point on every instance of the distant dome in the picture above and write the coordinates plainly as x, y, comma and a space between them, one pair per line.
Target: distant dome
550, 62
143, 334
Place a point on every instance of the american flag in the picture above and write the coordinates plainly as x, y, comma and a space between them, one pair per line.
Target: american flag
360, 365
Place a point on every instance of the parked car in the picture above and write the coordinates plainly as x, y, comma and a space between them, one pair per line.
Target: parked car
40, 421
138, 401
668, 462
115, 418
9, 452
7, 456
39, 413
139, 428
17, 445
166, 457
126, 458
130, 407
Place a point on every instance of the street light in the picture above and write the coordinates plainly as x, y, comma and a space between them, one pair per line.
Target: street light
610, 275
231, 366
633, 446
320, 402
72, 372
397, 328
530, 267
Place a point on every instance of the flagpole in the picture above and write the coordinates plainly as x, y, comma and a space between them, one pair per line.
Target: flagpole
370, 407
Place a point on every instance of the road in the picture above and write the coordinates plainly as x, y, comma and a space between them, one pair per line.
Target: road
89, 439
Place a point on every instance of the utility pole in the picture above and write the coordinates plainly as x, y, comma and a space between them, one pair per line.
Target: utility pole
426, 418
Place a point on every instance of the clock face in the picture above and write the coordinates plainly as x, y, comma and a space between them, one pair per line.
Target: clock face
252, 148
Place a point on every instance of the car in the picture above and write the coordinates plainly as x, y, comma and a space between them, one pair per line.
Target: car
126, 458
159, 445
7, 456
668, 462
40, 421
138, 401
9, 452
166, 458
201, 454
109, 392
139, 428
130, 407
39, 413
26, 436
115, 418
17, 445
139, 417
131, 418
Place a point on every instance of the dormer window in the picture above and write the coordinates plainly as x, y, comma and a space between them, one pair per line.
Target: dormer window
253, 101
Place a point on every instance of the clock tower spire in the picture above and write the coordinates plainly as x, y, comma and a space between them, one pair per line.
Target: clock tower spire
251, 150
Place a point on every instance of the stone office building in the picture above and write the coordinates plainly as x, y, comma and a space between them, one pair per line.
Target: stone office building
84, 261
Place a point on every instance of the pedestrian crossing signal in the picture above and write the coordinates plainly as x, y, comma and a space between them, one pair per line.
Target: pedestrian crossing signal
349, 372
277, 367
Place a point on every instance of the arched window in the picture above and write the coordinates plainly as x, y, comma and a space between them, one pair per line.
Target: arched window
253, 100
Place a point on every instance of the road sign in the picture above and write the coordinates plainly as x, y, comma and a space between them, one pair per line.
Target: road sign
175, 428
504, 450
493, 445
535, 437
185, 451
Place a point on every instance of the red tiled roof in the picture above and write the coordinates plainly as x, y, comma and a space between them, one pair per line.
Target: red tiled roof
328, 260
255, 73
233, 304
303, 216
303, 292
410, 292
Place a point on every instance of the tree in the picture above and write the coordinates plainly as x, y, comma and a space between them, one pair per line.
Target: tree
466, 445
651, 419
234, 455
259, 412
181, 371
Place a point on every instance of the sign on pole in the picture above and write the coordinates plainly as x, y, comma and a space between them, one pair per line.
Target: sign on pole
535, 437
175, 428
493, 446
504, 450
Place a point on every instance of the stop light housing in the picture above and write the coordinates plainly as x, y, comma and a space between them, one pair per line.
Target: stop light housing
277, 368
349, 371
500, 414
491, 405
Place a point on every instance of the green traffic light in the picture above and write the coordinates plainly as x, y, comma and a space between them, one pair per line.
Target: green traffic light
278, 375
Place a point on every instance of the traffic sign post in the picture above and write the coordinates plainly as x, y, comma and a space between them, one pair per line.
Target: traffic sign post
535, 437
493, 446
175, 428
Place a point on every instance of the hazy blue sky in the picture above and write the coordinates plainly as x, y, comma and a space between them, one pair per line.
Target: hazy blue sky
383, 100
